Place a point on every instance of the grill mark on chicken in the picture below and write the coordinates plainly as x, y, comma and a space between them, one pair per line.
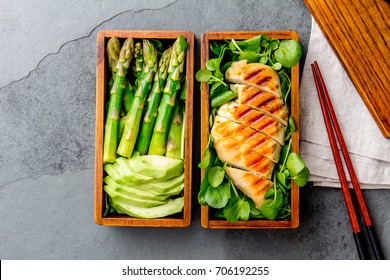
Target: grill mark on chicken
264, 80
252, 74
253, 118
241, 112
267, 124
258, 143
262, 101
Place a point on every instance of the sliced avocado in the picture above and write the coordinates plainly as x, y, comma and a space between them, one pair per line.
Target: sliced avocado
157, 187
135, 201
158, 167
176, 190
163, 186
113, 173
123, 167
138, 193
171, 207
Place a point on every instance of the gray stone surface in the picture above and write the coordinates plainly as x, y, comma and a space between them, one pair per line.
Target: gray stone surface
47, 120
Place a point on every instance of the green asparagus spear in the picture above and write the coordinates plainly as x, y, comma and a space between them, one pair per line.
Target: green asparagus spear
152, 105
133, 118
128, 96
138, 63
113, 48
175, 131
114, 107
176, 68
121, 127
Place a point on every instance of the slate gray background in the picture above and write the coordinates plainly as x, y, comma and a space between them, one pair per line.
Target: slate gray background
47, 122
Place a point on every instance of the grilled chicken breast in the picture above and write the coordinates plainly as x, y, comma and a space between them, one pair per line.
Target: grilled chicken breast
250, 184
264, 101
254, 119
248, 133
237, 156
234, 133
254, 74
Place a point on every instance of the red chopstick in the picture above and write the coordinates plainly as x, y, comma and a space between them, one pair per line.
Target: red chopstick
331, 121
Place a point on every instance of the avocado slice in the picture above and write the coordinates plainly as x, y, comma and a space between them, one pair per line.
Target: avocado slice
171, 207
158, 167
133, 192
170, 187
113, 173
124, 168
133, 200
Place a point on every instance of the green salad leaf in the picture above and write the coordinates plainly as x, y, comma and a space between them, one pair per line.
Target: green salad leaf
216, 175
298, 170
271, 207
288, 53
218, 197
237, 209
203, 75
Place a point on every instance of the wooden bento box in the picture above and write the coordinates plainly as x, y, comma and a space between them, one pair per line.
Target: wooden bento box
182, 219
206, 219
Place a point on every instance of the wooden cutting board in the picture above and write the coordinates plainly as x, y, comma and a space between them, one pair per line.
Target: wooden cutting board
359, 33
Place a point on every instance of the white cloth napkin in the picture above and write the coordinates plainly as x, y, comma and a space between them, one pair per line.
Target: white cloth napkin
369, 150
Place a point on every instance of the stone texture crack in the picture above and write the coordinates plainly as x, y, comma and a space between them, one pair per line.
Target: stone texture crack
83, 37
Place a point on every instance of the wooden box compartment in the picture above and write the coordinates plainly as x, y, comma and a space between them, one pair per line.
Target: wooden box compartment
206, 219
182, 219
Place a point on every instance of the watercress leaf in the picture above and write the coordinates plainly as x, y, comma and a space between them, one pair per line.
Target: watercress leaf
253, 209
232, 46
237, 208
203, 75
284, 154
281, 188
226, 66
219, 89
202, 196
281, 178
301, 178
277, 66
291, 124
264, 43
269, 193
288, 53
218, 74
286, 173
216, 48
218, 197
251, 44
222, 98
268, 210
206, 160
295, 164
214, 87
249, 56
279, 199
274, 44
263, 60
212, 64
215, 175
244, 211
